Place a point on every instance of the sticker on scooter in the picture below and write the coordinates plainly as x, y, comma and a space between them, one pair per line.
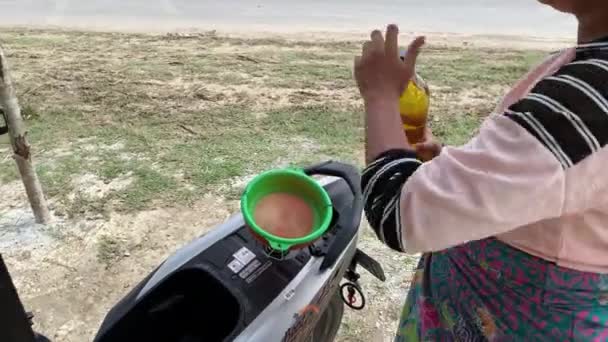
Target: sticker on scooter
244, 255
289, 294
250, 269
236, 266
258, 272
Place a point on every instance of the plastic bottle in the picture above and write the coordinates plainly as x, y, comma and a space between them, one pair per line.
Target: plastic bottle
414, 108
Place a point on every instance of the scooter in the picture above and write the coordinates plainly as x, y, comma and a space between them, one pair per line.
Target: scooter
227, 286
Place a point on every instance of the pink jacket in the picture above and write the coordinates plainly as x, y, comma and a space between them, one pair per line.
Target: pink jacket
533, 184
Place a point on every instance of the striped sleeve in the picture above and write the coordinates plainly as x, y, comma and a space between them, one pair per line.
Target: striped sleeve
568, 111
382, 183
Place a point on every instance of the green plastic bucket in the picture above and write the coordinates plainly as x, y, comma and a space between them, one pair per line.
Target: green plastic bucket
294, 182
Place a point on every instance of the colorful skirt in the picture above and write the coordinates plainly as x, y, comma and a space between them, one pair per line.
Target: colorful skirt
488, 291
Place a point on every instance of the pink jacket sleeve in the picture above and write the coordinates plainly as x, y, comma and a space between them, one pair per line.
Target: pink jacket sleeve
501, 180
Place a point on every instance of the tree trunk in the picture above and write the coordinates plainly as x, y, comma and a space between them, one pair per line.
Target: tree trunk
21, 148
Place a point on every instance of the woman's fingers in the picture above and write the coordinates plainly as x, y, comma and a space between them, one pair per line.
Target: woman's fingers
391, 46
428, 146
357, 61
373, 46
428, 150
367, 48
376, 37
377, 43
413, 51
378, 70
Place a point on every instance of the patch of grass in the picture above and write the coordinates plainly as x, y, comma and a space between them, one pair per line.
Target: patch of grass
149, 184
81, 205
327, 124
456, 131
111, 168
311, 76
29, 111
47, 40
234, 193
211, 162
8, 171
56, 176
109, 250
460, 68
52, 128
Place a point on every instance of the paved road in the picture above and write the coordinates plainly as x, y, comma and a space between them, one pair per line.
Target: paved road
525, 17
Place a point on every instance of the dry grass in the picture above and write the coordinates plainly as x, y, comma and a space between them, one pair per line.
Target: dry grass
125, 125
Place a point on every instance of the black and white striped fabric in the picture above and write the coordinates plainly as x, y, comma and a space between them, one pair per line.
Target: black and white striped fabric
567, 112
382, 182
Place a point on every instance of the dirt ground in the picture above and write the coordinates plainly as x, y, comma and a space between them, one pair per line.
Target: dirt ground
143, 142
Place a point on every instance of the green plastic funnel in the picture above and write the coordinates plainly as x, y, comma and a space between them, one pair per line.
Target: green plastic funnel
294, 182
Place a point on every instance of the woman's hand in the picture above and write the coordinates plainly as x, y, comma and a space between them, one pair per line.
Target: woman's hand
429, 148
381, 75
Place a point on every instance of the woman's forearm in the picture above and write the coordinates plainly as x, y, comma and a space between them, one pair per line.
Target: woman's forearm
383, 178
383, 128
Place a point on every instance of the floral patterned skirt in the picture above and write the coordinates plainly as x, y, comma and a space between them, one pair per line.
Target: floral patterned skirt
488, 291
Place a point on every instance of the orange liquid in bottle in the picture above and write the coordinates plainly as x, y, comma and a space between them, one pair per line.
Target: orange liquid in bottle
414, 108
